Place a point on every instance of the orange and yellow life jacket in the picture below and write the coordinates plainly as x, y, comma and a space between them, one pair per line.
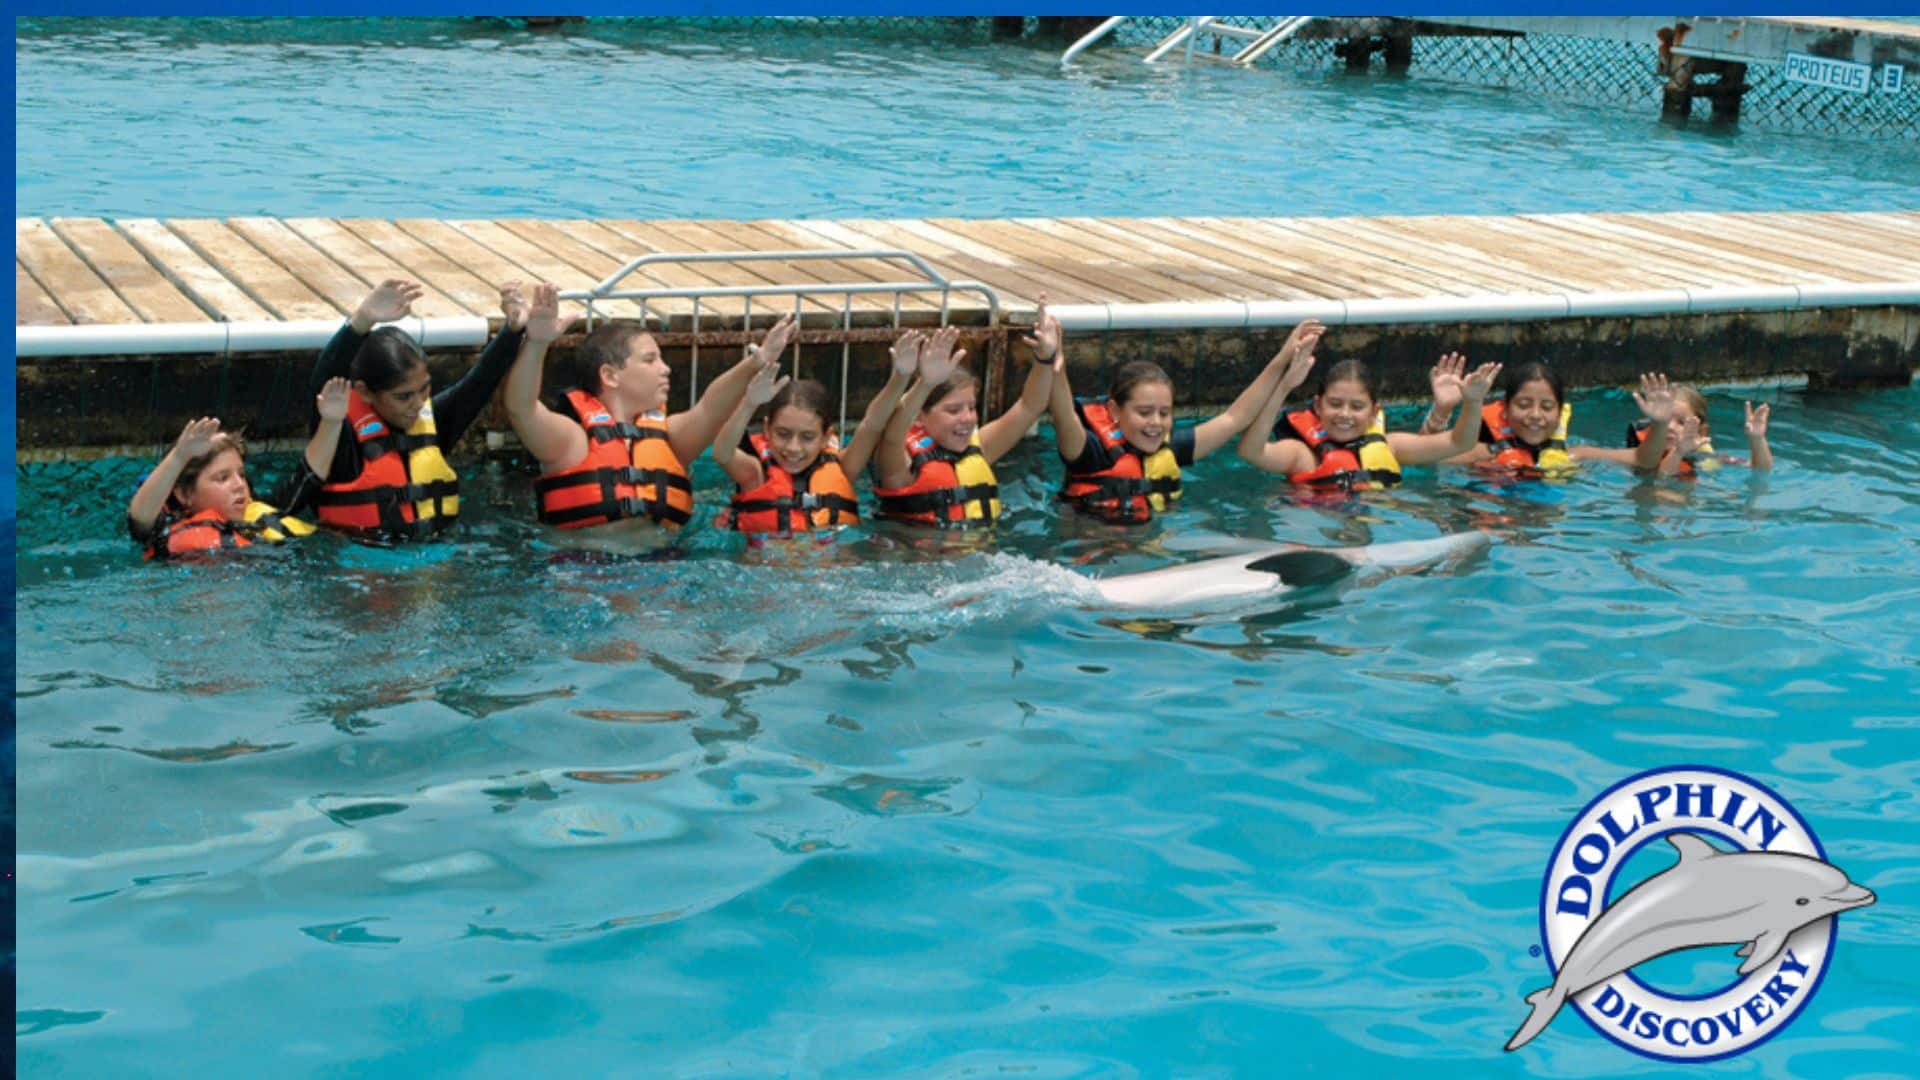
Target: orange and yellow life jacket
405, 490
1134, 486
629, 471
1509, 452
952, 491
821, 497
209, 531
1367, 462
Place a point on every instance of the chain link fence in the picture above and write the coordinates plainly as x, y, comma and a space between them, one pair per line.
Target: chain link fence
1549, 65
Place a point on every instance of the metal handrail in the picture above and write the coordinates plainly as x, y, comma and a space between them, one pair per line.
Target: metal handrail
1087, 40
932, 281
1265, 43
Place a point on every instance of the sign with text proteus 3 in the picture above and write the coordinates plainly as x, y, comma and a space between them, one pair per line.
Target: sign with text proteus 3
1832, 74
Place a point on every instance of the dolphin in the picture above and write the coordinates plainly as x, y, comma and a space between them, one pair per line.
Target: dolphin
1708, 897
1275, 568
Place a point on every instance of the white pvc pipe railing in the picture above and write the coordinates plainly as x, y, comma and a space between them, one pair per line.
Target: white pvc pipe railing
303, 335
299, 335
1522, 307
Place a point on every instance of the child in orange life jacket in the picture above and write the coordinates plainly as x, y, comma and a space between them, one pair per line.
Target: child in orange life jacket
390, 480
1692, 450
793, 477
1124, 455
197, 499
613, 464
934, 465
1526, 430
1339, 441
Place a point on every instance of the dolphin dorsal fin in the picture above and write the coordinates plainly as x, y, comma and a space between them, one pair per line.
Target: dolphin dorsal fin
1691, 847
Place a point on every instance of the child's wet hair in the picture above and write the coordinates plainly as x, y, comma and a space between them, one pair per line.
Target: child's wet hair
1512, 379
1132, 376
961, 379
223, 442
1349, 371
385, 358
608, 346
1696, 401
807, 395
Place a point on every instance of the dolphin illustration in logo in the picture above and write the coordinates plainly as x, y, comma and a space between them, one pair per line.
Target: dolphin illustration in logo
1709, 897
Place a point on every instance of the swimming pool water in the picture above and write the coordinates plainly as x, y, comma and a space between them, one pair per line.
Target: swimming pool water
452, 118
476, 810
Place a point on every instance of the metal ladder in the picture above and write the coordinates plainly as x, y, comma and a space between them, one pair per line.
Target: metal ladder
1259, 42
929, 281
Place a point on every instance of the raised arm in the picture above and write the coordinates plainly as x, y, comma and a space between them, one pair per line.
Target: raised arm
744, 468
937, 361
552, 439
1757, 448
1655, 399
1047, 362
391, 299
458, 406
691, 431
331, 404
1420, 448
1282, 456
1211, 435
866, 438
1445, 379
151, 498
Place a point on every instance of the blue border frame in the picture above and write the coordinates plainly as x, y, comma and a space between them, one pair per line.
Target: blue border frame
1811, 988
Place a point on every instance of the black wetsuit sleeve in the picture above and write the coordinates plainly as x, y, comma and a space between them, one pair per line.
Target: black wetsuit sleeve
1182, 442
336, 361
296, 494
458, 406
1093, 455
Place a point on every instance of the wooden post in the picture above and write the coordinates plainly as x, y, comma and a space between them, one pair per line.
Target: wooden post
1399, 52
1726, 93
1358, 51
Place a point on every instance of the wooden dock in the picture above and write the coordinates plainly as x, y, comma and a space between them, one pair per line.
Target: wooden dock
1706, 297
93, 271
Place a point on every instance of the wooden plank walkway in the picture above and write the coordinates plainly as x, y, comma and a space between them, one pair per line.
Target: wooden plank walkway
88, 270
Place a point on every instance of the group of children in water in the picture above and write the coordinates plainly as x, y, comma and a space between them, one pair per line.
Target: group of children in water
613, 463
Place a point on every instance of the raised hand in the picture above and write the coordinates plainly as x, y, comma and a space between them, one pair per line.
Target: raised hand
393, 299
938, 359
544, 321
766, 382
906, 353
331, 401
515, 304
1473, 387
197, 437
1655, 398
778, 335
1302, 340
1757, 420
1297, 367
1445, 378
1045, 339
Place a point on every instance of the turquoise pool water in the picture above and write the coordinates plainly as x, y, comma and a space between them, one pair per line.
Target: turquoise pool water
474, 810
479, 810
458, 118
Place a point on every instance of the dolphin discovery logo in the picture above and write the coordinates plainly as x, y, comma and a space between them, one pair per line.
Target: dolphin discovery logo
1748, 871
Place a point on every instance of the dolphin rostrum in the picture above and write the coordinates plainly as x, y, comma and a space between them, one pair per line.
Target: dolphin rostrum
1709, 897
1275, 568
